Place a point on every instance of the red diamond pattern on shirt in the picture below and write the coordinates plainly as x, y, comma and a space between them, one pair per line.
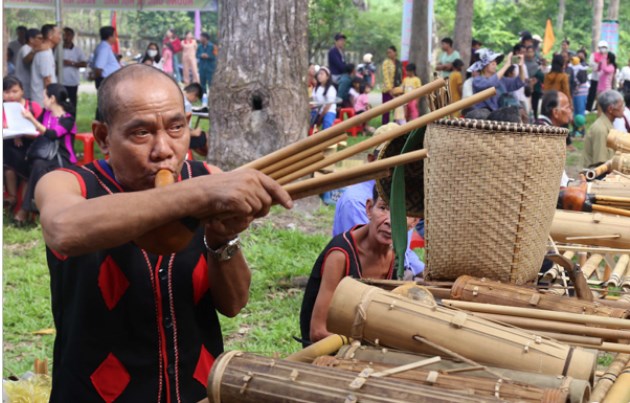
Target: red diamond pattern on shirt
200, 280
112, 282
110, 378
202, 371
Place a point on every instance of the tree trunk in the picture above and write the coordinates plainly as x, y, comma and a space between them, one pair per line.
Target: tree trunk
613, 10
258, 100
463, 29
419, 47
598, 11
5, 40
561, 10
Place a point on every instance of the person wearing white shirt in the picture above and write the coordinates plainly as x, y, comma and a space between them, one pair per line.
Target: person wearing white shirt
24, 58
73, 59
623, 124
624, 78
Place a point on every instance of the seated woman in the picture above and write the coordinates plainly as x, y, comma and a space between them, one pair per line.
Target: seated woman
57, 123
14, 150
365, 251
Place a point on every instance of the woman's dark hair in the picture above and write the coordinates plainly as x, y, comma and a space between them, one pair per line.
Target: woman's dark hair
612, 59
557, 63
61, 95
9, 82
447, 40
362, 88
393, 48
158, 56
510, 70
326, 85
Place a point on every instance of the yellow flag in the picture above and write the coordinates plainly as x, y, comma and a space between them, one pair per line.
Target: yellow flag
549, 38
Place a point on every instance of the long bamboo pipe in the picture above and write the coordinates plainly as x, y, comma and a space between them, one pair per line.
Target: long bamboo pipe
350, 176
392, 134
539, 314
570, 224
610, 376
297, 165
620, 162
337, 129
328, 345
559, 327
620, 390
586, 248
572, 338
268, 170
618, 141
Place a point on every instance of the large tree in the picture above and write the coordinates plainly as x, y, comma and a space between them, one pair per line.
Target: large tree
598, 11
463, 29
419, 47
613, 10
561, 10
258, 100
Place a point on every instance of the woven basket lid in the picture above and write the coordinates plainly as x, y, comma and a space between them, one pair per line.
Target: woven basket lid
414, 178
507, 127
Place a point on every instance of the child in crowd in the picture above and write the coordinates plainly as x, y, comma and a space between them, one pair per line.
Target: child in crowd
410, 83
325, 99
198, 139
455, 83
361, 104
354, 91
14, 150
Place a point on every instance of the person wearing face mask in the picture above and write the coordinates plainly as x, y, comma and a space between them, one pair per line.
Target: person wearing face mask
153, 54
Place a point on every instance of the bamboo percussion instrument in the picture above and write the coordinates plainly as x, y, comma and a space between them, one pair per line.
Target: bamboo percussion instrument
620, 389
325, 346
575, 275
391, 134
620, 163
338, 179
303, 154
337, 129
480, 386
591, 229
559, 327
551, 274
575, 198
619, 271
243, 377
610, 376
171, 237
467, 288
618, 141
380, 317
613, 323
579, 390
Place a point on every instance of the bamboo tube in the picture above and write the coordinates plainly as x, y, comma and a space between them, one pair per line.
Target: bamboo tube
607, 346
582, 256
620, 390
586, 248
328, 345
610, 376
625, 282
610, 210
392, 134
551, 274
619, 271
591, 265
559, 327
335, 130
297, 165
618, 141
567, 224
614, 323
605, 188
303, 154
572, 338
349, 176
612, 199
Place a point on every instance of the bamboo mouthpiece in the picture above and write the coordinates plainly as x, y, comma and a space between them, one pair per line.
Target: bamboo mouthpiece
164, 177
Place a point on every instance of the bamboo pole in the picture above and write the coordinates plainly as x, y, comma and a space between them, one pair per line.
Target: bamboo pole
568, 224
607, 346
611, 210
559, 327
572, 338
335, 130
610, 376
328, 345
620, 390
303, 154
392, 134
591, 265
540, 314
586, 248
353, 175
297, 165
619, 271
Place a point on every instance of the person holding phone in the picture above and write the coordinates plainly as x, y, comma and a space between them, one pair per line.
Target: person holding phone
489, 76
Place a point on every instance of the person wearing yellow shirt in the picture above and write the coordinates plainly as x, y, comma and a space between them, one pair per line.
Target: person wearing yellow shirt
410, 83
455, 83
392, 77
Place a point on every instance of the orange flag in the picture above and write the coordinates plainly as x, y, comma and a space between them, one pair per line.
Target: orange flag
116, 46
549, 38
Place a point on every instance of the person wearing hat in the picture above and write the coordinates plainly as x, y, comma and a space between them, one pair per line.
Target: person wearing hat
593, 62
367, 70
491, 77
336, 60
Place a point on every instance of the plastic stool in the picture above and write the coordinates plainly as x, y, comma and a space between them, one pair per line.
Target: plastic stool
88, 147
347, 113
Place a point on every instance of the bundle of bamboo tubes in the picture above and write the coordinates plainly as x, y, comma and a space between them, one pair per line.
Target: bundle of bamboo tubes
306, 156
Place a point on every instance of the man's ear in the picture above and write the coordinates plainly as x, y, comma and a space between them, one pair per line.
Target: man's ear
369, 203
101, 135
188, 117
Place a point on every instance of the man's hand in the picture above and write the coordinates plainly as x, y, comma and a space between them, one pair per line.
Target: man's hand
204, 55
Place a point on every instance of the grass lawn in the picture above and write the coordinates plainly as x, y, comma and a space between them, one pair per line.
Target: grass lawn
277, 253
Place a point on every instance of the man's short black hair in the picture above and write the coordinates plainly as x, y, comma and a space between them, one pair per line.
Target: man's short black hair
107, 32
349, 68
47, 29
458, 63
479, 114
32, 33
107, 94
517, 48
476, 43
194, 88
411, 67
550, 101
447, 40
205, 35
69, 30
21, 28
392, 47
506, 114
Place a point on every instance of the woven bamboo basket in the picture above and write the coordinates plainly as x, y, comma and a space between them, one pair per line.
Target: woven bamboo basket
490, 196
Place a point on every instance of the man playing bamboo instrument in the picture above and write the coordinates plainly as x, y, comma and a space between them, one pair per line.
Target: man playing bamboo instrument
365, 251
133, 326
